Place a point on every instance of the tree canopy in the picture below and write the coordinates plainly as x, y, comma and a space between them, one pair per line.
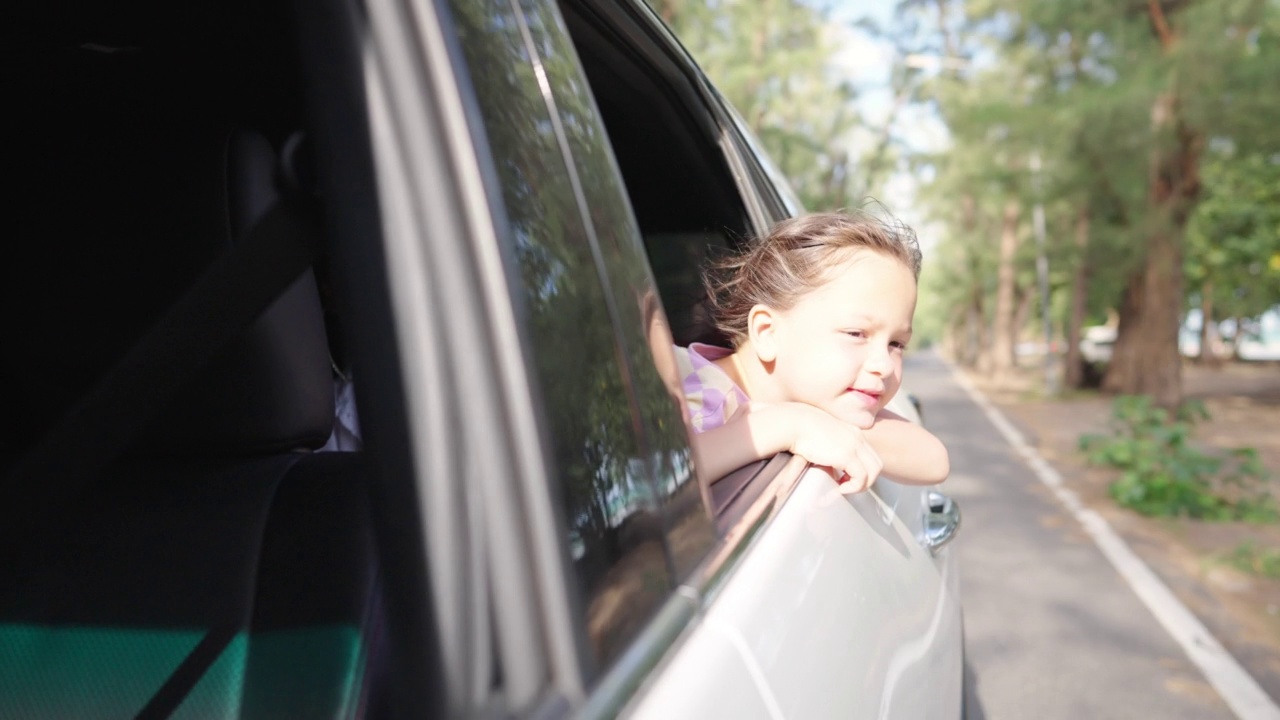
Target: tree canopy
1143, 132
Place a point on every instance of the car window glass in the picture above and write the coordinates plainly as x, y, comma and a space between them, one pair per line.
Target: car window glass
646, 340
776, 180
614, 526
677, 177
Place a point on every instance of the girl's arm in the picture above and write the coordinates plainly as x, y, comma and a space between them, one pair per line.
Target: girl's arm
903, 450
911, 454
760, 431
750, 435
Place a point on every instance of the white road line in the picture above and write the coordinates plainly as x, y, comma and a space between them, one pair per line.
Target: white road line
1240, 691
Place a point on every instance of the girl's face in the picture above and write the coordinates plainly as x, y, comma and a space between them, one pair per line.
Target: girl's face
840, 348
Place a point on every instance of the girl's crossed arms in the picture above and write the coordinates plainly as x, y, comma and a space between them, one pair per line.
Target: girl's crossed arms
819, 314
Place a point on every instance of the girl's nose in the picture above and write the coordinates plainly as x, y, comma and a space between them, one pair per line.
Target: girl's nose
878, 361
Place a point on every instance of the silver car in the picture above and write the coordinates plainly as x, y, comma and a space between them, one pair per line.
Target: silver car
469, 219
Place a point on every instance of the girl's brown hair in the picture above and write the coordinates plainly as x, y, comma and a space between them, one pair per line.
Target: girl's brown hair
793, 259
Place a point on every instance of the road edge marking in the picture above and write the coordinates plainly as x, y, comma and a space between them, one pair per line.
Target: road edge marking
1234, 684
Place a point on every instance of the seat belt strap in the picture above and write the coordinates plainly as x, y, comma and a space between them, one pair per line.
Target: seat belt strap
216, 310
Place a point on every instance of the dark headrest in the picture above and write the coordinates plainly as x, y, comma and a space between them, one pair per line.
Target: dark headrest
676, 257
273, 390
129, 189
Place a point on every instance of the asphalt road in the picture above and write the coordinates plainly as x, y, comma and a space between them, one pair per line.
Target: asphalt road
1052, 629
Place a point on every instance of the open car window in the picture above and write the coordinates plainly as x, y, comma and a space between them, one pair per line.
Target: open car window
679, 182
690, 179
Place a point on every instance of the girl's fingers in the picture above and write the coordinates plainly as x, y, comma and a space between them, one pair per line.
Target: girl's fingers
871, 463
862, 470
857, 477
853, 486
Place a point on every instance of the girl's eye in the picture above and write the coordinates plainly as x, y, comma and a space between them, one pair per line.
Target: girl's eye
898, 345
855, 333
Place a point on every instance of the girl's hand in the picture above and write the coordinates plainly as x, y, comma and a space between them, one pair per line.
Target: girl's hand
838, 446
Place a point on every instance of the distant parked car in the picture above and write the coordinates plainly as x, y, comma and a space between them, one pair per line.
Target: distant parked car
1096, 343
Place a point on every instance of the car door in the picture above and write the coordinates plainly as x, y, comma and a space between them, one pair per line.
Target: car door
838, 606
631, 517
579, 565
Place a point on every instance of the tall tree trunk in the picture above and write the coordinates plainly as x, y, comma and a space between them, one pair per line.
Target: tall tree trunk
1022, 311
1002, 325
944, 27
1079, 301
876, 160
978, 338
973, 340
836, 183
758, 40
972, 344
1146, 359
1208, 329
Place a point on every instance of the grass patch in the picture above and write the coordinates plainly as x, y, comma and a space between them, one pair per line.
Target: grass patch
1254, 560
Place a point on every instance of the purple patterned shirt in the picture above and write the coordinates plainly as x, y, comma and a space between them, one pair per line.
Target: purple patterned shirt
712, 396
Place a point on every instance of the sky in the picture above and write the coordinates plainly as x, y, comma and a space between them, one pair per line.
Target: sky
866, 61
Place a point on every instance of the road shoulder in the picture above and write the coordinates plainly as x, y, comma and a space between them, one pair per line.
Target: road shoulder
1191, 557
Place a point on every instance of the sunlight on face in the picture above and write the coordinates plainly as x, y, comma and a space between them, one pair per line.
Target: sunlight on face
840, 348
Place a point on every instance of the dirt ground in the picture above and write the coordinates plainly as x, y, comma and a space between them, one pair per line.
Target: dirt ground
1243, 399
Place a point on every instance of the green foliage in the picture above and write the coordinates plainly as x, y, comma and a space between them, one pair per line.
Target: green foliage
1235, 233
775, 62
1151, 120
1163, 474
1130, 106
1249, 558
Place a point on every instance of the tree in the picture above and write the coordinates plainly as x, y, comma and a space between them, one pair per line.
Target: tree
1233, 241
1196, 46
773, 60
1121, 99
1138, 108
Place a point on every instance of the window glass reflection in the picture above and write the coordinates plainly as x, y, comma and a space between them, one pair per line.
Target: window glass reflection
646, 336
615, 527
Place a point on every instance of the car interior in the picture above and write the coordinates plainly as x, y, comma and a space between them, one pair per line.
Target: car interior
164, 504
158, 511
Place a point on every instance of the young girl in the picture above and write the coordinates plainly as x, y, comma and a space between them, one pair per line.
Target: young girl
819, 314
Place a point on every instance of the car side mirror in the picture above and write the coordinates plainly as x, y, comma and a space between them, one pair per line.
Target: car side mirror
941, 520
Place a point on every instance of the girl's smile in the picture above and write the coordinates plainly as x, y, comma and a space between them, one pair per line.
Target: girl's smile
869, 397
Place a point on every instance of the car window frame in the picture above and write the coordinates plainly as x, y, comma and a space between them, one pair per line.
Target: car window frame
337, 35
760, 488
515, 550
674, 614
635, 22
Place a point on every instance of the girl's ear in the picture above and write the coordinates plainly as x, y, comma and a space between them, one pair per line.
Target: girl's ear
762, 329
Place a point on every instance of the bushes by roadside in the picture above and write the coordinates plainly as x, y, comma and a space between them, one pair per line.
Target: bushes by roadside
1162, 473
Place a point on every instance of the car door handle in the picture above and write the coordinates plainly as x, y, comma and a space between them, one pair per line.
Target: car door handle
941, 520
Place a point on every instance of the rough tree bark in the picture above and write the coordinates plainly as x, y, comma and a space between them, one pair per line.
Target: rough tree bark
1146, 360
1208, 329
978, 347
1079, 301
1022, 311
970, 334
1003, 331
